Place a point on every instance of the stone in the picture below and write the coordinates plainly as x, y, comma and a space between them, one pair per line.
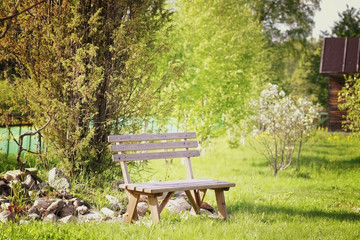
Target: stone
5, 205
116, 219
65, 194
5, 189
58, 180
22, 221
142, 208
6, 216
180, 194
34, 210
114, 206
208, 213
178, 205
82, 210
56, 206
90, 217
76, 203
43, 185
66, 210
112, 199
13, 175
31, 171
108, 212
34, 216
50, 218
68, 219
39, 203
30, 183
115, 185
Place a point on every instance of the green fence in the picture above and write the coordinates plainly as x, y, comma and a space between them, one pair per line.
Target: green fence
9, 146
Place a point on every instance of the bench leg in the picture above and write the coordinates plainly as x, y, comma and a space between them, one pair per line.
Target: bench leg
165, 201
131, 213
220, 199
193, 202
154, 208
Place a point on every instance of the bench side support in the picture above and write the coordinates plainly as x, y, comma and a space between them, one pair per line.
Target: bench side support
165, 201
131, 213
220, 200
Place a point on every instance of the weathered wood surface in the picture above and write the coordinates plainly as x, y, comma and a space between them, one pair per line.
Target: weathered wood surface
155, 155
178, 185
151, 137
133, 148
153, 146
335, 84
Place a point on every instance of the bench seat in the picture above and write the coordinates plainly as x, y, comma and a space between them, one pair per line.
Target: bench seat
178, 185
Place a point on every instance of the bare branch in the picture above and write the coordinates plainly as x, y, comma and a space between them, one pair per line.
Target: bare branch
9, 22
14, 14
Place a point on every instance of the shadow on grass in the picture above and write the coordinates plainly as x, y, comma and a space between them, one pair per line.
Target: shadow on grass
292, 212
308, 161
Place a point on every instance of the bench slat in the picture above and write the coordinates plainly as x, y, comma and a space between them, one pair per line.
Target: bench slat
153, 146
155, 155
151, 137
180, 185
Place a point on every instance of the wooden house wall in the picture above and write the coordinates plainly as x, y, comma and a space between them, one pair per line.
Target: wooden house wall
335, 84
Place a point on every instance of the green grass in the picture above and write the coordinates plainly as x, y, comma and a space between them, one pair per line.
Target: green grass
321, 200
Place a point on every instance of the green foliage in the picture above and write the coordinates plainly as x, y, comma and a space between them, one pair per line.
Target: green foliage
321, 201
295, 16
7, 163
89, 69
348, 25
218, 58
282, 124
349, 97
306, 79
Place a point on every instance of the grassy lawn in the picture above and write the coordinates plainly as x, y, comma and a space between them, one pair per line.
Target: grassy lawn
319, 201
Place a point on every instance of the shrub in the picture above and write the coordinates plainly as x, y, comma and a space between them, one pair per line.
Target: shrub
282, 124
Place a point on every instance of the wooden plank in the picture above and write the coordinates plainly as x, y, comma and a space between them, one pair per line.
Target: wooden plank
220, 199
155, 155
151, 137
153, 146
175, 186
165, 201
131, 210
154, 209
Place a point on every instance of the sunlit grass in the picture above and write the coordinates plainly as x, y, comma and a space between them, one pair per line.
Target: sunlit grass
320, 200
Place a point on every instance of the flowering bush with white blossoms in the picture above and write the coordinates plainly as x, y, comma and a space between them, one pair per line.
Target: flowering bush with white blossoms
282, 125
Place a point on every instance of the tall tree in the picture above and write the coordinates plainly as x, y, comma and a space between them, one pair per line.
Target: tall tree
286, 25
348, 25
88, 64
219, 57
286, 19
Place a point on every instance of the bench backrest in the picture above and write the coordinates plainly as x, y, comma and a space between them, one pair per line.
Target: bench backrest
154, 146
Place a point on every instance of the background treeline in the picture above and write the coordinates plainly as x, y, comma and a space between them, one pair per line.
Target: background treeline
96, 67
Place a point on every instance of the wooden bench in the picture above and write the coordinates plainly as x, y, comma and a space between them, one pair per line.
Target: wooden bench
164, 146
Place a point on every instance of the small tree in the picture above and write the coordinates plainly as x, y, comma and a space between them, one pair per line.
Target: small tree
349, 97
282, 125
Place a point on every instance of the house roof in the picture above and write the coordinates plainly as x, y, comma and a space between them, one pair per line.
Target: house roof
340, 56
